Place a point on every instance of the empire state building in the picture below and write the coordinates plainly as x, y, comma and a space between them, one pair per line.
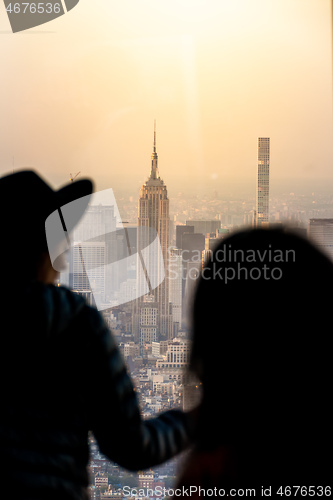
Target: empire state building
153, 312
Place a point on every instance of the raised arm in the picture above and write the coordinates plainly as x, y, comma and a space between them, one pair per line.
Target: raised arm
122, 435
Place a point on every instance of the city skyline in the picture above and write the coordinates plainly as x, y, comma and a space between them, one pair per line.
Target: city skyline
230, 84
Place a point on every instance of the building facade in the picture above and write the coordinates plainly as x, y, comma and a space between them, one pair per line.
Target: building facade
176, 284
204, 226
320, 232
94, 244
152, 318
92, 255
262, 203
177, 355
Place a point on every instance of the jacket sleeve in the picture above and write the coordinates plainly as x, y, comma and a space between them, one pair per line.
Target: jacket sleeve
122, 435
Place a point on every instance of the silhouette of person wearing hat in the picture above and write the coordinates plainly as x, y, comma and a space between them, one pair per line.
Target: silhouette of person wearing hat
61, 371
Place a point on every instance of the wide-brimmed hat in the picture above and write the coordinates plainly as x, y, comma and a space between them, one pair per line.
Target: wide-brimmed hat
27, 201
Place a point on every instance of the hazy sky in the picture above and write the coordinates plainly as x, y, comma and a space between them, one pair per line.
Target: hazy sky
81, 93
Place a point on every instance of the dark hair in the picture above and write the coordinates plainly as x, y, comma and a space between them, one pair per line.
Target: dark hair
20, 257
260, 319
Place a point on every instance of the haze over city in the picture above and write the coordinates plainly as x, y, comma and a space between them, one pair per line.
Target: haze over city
81, 94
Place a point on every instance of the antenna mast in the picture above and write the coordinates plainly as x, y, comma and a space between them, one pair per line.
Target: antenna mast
73, 176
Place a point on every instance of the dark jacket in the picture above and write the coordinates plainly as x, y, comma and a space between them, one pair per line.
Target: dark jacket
62, 375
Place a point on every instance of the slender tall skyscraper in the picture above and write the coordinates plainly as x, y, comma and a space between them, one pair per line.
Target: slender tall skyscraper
262, 206
153, 314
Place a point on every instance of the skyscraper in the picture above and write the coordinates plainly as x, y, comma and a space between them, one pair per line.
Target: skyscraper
262, 205
153, 315
320, 231
94, 244
176, 284
94, 259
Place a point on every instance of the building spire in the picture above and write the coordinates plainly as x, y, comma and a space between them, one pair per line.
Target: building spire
154, 136
154, 158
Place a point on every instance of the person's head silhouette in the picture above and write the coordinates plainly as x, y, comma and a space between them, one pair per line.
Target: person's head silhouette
261, 341
26, 200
